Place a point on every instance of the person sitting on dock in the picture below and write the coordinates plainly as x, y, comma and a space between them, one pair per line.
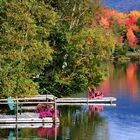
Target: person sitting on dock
98, 94
90, 92
94, 94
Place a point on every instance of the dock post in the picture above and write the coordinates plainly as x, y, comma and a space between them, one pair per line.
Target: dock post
87, 101
16, 131
55, 121
16, 109
111, 101
16, 118
55, 111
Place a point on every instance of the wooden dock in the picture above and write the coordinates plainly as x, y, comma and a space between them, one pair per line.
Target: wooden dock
32, 118
43, 98
27, 125
26, 117
30, 108
29, 104
86, 100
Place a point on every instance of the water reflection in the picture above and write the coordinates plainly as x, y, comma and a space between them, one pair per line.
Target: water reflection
28, 133
83, 123
124, 120
122, 80
96, 122
77, 123
131, 77
47, 132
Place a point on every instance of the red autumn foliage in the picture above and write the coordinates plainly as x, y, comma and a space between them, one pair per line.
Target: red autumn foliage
109, 17
131, 21
132, 40
104, 22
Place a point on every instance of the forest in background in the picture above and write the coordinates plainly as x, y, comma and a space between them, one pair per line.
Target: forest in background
60, 47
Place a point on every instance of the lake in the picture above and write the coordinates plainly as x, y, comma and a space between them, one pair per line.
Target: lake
120, 122
123, 5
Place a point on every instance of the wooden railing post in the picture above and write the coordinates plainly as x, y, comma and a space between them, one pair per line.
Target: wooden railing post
55, 118
16, 109
55, 111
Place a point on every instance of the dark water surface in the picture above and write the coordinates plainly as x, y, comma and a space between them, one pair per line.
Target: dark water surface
121, 122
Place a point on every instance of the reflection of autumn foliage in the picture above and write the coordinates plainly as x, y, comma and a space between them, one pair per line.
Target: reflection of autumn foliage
105, 87
92, 110
95, 108
50, 132
121, 80
132, 79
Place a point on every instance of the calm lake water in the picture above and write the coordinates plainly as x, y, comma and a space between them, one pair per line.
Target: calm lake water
120, 122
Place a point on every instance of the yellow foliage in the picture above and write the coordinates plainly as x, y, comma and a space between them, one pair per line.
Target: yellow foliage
135, 13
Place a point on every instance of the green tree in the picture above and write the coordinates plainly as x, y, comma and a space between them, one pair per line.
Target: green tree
79, 49
24, 49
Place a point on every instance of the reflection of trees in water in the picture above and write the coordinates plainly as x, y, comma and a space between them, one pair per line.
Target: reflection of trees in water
78, 123
122, 78
9, 134
28, 133
3, 133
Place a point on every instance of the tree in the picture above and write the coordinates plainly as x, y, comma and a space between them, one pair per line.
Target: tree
78, 56
132, 40
24, 49
56, 40
74, 56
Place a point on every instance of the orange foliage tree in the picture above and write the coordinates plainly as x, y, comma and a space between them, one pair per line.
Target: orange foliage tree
126, 25
131, 38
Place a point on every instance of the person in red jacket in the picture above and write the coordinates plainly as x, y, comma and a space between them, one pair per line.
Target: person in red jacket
98, 94
90, 93
94, 94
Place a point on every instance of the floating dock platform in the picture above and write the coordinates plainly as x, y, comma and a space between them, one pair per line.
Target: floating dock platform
31, 117
27, 125
44, 98
86, 100
26, 117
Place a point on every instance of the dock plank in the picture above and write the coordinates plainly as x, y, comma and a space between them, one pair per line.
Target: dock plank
26, 118
27, 125
86, 100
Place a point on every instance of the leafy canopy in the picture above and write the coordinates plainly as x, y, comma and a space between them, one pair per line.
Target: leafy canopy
24, 48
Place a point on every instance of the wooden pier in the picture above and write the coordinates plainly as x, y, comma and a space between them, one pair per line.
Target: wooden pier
86, 100
26, 117
44, 98
31, 118
27, 125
